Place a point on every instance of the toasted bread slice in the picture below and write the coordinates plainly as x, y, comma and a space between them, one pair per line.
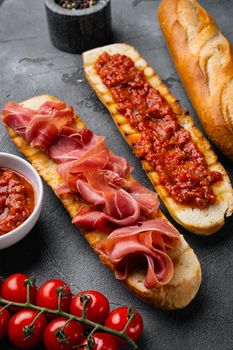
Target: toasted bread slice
203, 222
187, 277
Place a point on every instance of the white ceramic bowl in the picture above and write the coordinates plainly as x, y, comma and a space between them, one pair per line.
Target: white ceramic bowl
18, 164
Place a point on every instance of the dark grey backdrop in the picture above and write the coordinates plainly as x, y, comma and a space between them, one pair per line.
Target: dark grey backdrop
30, 65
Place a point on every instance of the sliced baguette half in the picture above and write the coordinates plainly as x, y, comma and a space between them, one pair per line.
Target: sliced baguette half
203, 222
205, 66
187, 276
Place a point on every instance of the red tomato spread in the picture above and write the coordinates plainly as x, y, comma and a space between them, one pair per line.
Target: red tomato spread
17, 200
166, 145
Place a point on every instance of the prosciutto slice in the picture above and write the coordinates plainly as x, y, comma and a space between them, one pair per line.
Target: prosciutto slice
93, 156
71, 144
147, 200
99, 177
17, 117
150, 240
40, 128
118, 165
114, 204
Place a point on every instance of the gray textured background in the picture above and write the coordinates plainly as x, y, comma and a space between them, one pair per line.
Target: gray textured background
29, 65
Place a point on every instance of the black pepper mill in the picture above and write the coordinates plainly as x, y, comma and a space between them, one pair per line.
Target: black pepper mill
76, 31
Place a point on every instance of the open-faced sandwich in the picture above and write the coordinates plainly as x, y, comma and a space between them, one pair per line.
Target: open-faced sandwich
119, 217
177, 158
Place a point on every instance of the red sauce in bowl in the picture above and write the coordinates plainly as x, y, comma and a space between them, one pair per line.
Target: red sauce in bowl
164, 143
17, 200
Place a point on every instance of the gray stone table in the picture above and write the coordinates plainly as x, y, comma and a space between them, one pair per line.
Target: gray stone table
29, 66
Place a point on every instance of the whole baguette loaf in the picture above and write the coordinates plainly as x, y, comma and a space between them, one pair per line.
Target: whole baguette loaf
204, 222
187, 272
204, 61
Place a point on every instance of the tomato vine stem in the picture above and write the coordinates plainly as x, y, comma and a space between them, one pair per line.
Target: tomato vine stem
131, 344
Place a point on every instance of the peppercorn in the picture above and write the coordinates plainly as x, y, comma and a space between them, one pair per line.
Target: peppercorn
76, 4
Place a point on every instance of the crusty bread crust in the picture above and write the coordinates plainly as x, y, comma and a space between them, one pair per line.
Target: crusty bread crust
204, 61
187, 272
203, 222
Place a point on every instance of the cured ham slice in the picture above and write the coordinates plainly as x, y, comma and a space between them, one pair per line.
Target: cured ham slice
115, 205
71, 144
100, 177
147, 200
150, 240
40, 128
89, 218
93, 156
118, 165
17, 117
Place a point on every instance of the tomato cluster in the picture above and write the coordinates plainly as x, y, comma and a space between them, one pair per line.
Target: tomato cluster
27, 327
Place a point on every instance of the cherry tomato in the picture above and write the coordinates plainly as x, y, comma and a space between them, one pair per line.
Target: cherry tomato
118, 318
97, 307
4, 320
47, 295
14, 289
66, 340
101, 341
22, 333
